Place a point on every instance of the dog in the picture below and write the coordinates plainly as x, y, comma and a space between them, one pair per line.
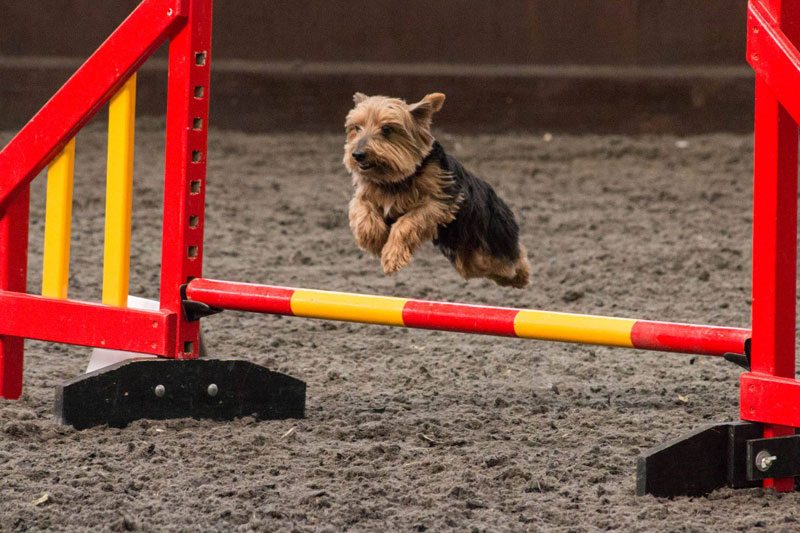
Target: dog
408, 191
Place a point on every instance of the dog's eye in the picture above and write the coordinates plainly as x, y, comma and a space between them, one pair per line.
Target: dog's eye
386, 131
355, 128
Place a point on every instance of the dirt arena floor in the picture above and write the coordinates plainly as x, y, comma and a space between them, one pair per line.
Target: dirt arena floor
411, 430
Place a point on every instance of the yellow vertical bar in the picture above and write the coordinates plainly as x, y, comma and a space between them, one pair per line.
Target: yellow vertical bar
119, 194
58, 219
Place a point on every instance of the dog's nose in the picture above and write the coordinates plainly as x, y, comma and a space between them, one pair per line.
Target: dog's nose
359, 155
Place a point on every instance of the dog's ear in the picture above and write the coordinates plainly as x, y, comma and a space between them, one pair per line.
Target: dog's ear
359, 97
424, 109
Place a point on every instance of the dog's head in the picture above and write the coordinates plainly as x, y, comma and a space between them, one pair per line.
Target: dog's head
386, 137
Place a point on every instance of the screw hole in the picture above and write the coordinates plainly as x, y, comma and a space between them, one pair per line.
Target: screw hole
197, 156
192, 252
200, 59
199, 91
194, 186
194, 221
188, 347
197, 124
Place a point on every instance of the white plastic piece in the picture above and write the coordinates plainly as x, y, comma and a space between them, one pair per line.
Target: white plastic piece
102, 357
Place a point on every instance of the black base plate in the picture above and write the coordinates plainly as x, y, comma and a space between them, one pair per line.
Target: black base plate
712, 457
166, 388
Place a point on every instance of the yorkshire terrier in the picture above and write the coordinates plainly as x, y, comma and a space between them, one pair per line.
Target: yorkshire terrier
409, 191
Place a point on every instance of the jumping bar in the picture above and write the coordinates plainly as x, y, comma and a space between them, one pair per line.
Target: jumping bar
486, 320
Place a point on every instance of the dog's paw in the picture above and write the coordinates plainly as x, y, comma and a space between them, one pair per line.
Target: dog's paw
394, 257
372, 242
370, 234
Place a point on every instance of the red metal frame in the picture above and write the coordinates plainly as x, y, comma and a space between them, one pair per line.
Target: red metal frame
86, 324
13, 277
770, 399
185, 170
772, 55
33, 148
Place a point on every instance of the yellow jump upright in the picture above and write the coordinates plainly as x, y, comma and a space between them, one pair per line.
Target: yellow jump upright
58, 220
119, 195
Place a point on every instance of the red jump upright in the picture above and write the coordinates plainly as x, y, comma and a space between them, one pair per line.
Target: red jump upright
773, 27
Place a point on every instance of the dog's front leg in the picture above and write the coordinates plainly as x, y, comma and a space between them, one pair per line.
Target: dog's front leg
410, 231
368, 226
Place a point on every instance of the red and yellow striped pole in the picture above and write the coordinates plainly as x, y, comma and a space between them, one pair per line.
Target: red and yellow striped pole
504, 321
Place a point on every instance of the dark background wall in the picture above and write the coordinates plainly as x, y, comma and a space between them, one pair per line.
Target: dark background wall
599, 65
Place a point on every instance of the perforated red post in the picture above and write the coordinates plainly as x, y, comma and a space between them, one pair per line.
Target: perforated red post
185, 171
774, 217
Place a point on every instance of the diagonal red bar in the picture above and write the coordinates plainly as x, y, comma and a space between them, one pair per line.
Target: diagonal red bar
86, 324
147, 27
774, 58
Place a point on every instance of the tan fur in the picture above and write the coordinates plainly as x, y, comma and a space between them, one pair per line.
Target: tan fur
503, 272
412, 142
419, 211
367, 226
418, 207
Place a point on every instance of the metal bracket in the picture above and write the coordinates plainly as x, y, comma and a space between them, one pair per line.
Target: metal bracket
775, 457
196, 310
697, 463
742, 360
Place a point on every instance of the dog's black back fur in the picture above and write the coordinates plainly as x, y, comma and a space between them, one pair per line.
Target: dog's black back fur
483, 221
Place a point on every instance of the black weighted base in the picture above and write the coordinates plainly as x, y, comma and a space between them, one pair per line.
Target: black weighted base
712, 457
166, 388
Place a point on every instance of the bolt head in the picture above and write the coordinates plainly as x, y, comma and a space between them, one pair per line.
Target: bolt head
764, 460
213, 390
160, 391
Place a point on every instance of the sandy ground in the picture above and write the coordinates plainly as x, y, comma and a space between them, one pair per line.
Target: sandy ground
525, 435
